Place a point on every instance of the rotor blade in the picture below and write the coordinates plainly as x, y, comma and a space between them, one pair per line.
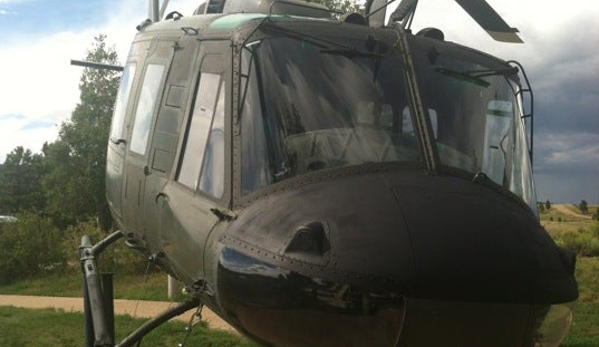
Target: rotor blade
489, 20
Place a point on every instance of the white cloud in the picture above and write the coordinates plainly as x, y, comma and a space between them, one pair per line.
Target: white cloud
13, 1
38, 81
16, 132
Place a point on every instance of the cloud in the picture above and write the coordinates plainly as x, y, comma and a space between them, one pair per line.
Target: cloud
39, 87
37, 124
567, 187
20, 130
567, 153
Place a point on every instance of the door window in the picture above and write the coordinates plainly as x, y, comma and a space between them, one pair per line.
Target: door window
120, 108
145, 108
198, 130
212, 181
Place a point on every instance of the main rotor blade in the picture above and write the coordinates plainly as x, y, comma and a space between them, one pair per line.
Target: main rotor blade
489, 20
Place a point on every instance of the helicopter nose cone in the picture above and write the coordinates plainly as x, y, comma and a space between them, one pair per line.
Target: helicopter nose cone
407, 259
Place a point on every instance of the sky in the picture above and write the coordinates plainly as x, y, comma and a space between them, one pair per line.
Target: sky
39, 87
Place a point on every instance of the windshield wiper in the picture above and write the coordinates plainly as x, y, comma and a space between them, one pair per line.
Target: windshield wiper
351, 53
463, 76
493, 72
476, 76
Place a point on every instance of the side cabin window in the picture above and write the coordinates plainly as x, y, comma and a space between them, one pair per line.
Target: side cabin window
120, 108
145, 108
202, 157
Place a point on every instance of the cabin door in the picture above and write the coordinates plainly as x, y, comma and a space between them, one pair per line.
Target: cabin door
199, 188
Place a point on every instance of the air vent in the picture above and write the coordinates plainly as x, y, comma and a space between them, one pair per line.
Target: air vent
311, 239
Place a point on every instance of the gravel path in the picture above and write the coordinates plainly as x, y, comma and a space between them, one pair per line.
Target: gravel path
139, 309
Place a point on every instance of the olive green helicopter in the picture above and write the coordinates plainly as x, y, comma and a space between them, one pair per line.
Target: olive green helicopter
331, 179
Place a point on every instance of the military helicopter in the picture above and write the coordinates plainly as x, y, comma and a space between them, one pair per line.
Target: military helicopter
325, 179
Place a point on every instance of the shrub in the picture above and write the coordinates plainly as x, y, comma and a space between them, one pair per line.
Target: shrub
584, 241
116, 258
30, 247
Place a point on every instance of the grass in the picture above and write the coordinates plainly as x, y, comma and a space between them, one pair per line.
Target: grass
585, 326
554, 228
46, 328
69, 284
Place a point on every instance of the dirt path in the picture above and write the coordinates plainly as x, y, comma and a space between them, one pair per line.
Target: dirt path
140, 309
563, 209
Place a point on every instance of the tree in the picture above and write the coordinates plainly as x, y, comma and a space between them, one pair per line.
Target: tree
340, 5
583, 207
20, 182
548, 205
541, 207
76, 163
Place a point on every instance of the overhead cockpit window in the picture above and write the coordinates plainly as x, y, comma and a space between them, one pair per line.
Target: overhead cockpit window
145, 108
120, 108
200, 131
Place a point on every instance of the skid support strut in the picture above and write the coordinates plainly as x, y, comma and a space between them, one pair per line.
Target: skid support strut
98, 293
99, 305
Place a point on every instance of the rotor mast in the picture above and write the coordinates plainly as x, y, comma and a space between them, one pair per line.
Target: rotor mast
155, 10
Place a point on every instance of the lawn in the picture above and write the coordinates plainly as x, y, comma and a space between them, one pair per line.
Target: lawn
585, 326
133, 287
51, 328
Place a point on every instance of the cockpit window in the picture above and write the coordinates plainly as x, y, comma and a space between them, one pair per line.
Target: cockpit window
310, 107
478, 117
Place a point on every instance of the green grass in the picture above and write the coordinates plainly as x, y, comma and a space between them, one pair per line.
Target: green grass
554, 228
585, 326
580, 235
48, 327
69, 284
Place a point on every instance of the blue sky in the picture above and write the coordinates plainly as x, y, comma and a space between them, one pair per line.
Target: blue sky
39, 89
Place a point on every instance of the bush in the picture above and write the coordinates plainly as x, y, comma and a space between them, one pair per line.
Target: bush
116, 258
584, 241
30, 247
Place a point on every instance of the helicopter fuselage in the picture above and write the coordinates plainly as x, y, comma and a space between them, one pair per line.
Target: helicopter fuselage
325, 183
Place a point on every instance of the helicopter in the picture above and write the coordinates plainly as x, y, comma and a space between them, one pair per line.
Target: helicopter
327, 179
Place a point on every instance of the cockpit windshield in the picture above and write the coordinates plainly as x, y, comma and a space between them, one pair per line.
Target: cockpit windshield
476, 115
311, 104
321, 107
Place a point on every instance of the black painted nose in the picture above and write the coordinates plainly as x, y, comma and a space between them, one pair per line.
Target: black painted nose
394, 261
